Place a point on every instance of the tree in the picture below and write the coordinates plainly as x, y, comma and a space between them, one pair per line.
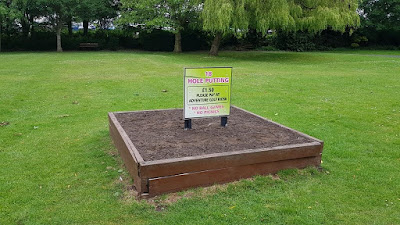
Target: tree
381, 14
89, 10
238, 16
85, 11
8, 15
173, 15
29, 10
107, 12
58, 12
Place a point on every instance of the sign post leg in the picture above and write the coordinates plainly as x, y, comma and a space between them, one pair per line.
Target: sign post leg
188, 124
224, 121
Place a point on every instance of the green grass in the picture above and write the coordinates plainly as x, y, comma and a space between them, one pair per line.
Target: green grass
58, 165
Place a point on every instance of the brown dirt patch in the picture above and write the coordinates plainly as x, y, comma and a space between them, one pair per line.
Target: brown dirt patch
160, 135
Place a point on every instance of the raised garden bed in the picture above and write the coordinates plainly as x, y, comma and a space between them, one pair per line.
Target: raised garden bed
161, 157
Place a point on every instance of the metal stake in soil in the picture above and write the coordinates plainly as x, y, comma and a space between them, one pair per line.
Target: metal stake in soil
224, 121
188, 124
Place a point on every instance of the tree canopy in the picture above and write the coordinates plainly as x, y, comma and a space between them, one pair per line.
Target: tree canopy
173, 15
28, 10
8, 13
58, 12
89, 10
382, 14
238, 16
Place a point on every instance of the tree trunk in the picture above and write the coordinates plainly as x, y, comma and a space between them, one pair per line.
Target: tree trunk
85, 27
178, 42
25, 27
30, 26
7, 26
59, 26
69, 27
215, 44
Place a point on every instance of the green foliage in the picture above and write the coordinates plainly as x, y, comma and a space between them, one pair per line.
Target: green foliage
380, 23
8, 13
39, 41
29, 10
359, 40
296, 41
267, 48
171, 14
90, 10
22, 13
355, 45
58, 10
194, 40
381, 15
303, 41
3, 11
239, 16
156, 40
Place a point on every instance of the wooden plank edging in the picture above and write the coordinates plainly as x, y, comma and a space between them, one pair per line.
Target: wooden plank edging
210, 177
175, 166
127, 150
132, 149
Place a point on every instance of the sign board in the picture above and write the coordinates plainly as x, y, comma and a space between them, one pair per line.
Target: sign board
207, 92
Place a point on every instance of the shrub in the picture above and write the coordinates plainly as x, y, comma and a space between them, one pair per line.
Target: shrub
295, 41
156, 40
267, 48
193, 40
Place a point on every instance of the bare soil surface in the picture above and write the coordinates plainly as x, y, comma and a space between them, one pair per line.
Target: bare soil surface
160, 135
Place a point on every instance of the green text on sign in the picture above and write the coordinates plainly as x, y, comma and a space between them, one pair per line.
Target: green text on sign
207, 92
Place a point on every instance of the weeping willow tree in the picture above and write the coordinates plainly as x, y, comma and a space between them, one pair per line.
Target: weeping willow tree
238, 16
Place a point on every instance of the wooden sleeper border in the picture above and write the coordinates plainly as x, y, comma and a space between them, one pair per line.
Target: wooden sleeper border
170, 175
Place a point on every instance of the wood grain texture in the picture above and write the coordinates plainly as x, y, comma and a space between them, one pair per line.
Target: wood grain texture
229, 159
124, 146
208, 177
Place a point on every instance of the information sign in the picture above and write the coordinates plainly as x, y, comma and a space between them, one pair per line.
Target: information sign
207, 92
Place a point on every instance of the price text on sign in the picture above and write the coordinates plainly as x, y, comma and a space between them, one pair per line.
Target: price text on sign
207, 92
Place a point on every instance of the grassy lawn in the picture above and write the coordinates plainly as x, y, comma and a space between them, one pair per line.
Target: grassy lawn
58, 165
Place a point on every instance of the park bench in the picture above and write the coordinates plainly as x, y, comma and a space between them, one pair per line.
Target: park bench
84, 46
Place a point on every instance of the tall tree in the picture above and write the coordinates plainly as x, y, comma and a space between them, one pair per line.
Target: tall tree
381, 15
58, 12
29, 10
173, 15
8, 16
238, 16
107, 11
89, 10
86, 12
